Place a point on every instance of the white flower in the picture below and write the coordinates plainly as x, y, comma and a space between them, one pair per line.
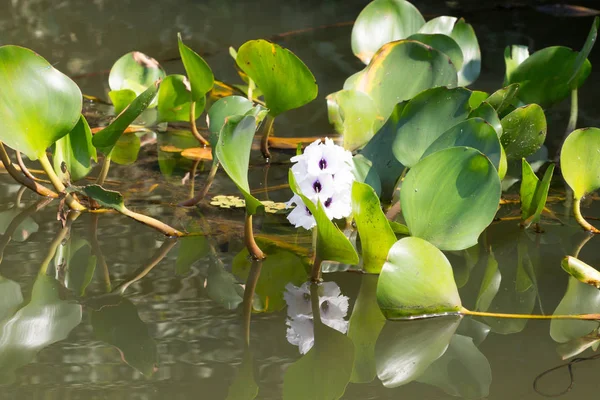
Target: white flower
327, 158
333, 307
301, 215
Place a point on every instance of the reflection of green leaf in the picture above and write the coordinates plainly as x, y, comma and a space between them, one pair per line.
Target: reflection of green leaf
417, 279
75, 257
366, 322
222, 287
76, 151
489, 284
244, 386
21, 232
405, 350
10, 297
578, 299
45, 320
115, 321
462, 371
191, 249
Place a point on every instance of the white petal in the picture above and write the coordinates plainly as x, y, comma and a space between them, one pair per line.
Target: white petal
297, 300
319, 187
301, 333
338, 324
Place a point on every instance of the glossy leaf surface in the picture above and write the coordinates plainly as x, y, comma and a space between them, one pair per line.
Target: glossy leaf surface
354, 116
534, 193
523, 131
175, 99
134, 71
198, 72
580, 161
76, 151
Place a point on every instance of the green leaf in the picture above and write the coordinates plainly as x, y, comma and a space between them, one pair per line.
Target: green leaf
579, 298
225, 108
585, 51
376, 235
523, 131
462, 371
191, 249
126, 149
544, 76
121, 99
175, 99
107, 138
381, 22
416, 280
473, 132
443, 43
134, 71
286, 82
513, 56
490, 284
477, 97
244, 385
400, 70
580, 161
425, 118
222, 287
46, 313
105, 198
365, 172
354, 116
534, 193
115, 321
198, 72
332, 244
502, 99
76, 151
489, 114
405, 350
75, 257
581, 271
450, 197
366, 323
39, 104
10, 297
399, 229
233, 151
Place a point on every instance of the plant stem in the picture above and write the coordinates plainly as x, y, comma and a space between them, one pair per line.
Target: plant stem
251, 245
153, 223
23, 180
62, 234
315, 272
23, 166
264, 143
104, 171
579, 218
192, 177
574, 113
58, 185
200, 196
249, 291
195, 132
97, 251
588, 317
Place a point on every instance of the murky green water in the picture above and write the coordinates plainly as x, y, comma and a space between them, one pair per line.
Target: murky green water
178, 330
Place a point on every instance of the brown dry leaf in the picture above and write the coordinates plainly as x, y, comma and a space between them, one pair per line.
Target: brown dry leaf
198, 153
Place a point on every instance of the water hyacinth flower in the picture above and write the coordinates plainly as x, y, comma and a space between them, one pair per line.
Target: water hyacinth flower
333, 307
324, 173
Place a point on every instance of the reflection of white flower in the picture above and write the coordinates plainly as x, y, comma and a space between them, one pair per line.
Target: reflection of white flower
323, 173
333, 307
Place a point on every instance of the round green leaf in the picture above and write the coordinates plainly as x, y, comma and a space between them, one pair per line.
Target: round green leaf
450, 197
443, 43
489, 114
76, 151
473, 132
400, 70
121, 99
38, 103
284, 79
199, 73
425, 118
381, 22
134, 71
544, 76
523, 131
354, 116
580, 161
126, 149
416, 280
175, 98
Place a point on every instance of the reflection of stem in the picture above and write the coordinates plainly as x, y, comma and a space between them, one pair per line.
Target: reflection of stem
20, 196
195, 132
314, 302
98, 253
192, 177
142, 272
62, 234
200, 196
104, 171
580, 245
23, 180
579, 218
315, 273
264, 143
57, 183
23, 166
251, 245
249, 290
588, 317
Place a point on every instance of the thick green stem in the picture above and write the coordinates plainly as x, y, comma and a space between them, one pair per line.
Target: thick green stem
251, 245
58, 185
579, 218
249, 291
264, 143
195, 132
200, 196
104, 171
574, 113
153, 223
588, 317
22, 179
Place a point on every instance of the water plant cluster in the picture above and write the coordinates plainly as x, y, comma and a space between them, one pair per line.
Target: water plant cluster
420, 174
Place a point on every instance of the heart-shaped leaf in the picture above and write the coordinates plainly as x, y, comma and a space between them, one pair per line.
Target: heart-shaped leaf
354, 116
580, 161
135, 71
523, 131
175, 99
416, 280
381, 22
450, 197
76, 151
443, 43
534, 193
198, 72
284, 79
39, 104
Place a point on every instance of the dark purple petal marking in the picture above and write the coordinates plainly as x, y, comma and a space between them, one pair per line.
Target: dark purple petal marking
323, 163
328, 202
317, 186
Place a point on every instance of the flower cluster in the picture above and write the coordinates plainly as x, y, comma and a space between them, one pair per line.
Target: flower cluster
323, 172
333, 307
